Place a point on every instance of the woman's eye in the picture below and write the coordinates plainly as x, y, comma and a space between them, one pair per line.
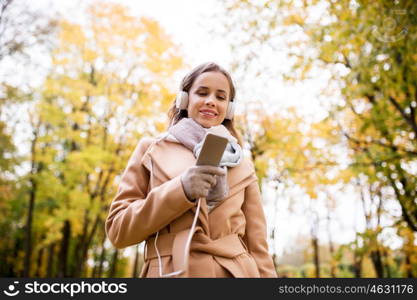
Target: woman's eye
203, 94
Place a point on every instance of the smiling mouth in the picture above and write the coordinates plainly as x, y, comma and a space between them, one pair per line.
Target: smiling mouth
208, 114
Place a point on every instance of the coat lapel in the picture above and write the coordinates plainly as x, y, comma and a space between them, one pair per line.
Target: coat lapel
171, 159
240, 176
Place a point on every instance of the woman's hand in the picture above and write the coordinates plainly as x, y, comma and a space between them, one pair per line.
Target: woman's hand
198, 180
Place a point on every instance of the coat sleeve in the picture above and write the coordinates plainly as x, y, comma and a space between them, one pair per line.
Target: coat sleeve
255, 231
135, 213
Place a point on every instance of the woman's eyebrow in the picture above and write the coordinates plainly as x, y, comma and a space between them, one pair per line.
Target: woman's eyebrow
207, 88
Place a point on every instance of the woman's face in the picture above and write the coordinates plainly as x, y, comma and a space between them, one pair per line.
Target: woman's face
208, 99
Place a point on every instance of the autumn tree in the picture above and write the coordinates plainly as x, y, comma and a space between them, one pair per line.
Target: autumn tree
108, 86
368, 50
372, 61
22, 29
290, 152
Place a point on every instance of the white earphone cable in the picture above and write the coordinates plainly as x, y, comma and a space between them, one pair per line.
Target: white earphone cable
186, 248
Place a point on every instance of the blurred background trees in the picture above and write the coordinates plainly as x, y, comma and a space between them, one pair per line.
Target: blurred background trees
105, 80
86, 117
371, 68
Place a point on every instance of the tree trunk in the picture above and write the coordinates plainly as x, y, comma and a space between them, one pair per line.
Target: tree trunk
135, 263
78, 250
15, 253
357, 260
315, 244
377, 262
408, 266
102, 257
94, 271
385, 259
32, 196
63, 255
358, 267
28, 248
273, 231
332, 262
331, 246
51, 255
86, 245
40, 265
113, 268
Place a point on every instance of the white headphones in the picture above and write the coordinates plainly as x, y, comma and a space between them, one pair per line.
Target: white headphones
181, 102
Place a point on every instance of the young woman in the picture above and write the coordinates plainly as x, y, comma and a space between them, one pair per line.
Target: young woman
198, 221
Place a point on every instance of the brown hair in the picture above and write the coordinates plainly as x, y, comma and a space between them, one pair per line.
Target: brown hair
175, 115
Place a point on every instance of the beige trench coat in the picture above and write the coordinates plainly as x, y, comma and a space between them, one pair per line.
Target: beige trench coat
150, 198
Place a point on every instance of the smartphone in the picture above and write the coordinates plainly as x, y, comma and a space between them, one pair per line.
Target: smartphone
212, 150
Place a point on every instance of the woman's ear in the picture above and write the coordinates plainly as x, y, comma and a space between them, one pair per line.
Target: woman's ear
230, 110
181, 101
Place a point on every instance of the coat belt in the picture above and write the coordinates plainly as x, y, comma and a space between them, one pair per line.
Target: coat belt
228, 246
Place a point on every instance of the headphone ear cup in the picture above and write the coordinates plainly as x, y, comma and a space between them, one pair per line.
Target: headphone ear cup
181, 101
230, 110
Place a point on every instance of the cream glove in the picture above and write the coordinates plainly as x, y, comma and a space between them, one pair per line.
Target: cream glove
198, 180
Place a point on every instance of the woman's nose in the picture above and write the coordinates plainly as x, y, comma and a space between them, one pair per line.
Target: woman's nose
210, 100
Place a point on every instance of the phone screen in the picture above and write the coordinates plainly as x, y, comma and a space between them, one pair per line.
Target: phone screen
212, 150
